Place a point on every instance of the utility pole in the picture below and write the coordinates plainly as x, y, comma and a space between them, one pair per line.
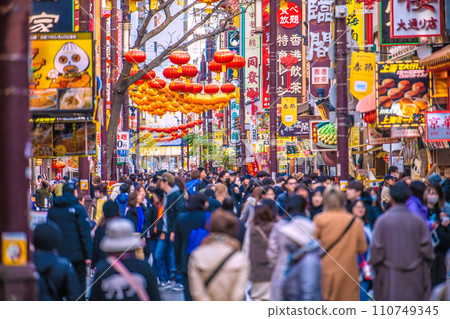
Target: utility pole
243, 132
104, 128
83, 161
113, 75
272, 88
341, 92
16, 282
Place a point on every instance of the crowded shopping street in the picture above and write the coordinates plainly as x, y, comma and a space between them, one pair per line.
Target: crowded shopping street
226, 150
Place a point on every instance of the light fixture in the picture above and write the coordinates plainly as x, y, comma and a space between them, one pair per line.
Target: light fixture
259, 16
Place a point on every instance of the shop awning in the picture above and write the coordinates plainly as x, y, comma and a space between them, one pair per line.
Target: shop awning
367, 103
438, 61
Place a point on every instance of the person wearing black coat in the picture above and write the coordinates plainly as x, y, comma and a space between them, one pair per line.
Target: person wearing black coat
57, 278
187, 221
72, 219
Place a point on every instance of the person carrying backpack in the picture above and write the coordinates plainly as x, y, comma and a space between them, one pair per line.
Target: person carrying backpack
188, 234
122, 199
57, 278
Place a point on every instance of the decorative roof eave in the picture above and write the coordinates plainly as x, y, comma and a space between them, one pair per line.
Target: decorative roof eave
436, 59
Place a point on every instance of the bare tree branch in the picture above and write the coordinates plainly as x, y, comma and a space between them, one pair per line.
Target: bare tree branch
167, 22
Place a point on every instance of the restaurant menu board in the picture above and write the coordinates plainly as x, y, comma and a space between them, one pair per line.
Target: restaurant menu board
62, 73
323, 136
63, 139
402, 93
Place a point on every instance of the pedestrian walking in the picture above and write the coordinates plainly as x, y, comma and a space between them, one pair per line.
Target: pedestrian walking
401, 252
342, 238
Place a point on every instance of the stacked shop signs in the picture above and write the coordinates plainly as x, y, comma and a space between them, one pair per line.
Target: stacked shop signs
402, 94
252, 70
386, 37
61, 84
414, 18
265, 38
320, 40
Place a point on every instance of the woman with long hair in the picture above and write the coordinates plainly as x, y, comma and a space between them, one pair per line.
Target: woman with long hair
221, 192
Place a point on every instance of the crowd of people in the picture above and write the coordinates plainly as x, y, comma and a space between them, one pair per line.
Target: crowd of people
231, 237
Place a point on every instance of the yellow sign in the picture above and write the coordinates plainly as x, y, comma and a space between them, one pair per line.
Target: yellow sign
289, 111
84, 184
14, 249
355, 20
218, 138
362, 74
354, 137
343, 186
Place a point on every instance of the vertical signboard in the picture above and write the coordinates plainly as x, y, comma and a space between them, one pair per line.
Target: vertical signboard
51, 16
320, 40
265, 55
252, 69
235, 125
123, 146
362, 74
355, 20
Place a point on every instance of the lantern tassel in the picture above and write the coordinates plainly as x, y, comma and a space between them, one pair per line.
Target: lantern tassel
179, 69
224, 68
218, 77
132, 5
235, 73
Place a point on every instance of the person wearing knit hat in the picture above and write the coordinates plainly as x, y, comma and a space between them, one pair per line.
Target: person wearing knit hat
57, 277
121, 276
110, 211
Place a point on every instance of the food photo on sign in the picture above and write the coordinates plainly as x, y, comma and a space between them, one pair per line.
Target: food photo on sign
402, 93
323, 136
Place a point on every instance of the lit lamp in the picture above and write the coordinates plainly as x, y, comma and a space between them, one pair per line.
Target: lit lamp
258, 16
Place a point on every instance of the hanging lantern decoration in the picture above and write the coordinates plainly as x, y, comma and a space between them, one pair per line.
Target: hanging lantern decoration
211, 89
219, 115
370, 117
223, 57
196, 88
179, 58
189, 72
188, 88
171, 73
174, 129
58, 165
182, 127
158, 129
227, 88
190, 124
236, 64
135, 56
133, 72
167, 130
177, 86
215, 67
157, 83
198, 122
208, 5
186, 131
150, 75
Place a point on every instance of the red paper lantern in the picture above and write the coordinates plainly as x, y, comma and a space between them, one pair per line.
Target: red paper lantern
211, 88
179, 58
150, 75
158, 129
161, 135
188, 88
167, 130
189, 72
150, 129
135, 56
236, 64
174, 129
196, 88
190, 124
182, 127
133, 72
158, 83
198, 122
215, 67
171, 73
219, 115
223, 57
142, 128
227, 88
177, 86
174, 134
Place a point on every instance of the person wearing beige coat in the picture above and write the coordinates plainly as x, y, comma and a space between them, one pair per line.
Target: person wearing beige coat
340, 273
230, 282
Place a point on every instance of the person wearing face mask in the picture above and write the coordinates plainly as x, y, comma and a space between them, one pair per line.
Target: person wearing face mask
316, 202
441, 236
374, 209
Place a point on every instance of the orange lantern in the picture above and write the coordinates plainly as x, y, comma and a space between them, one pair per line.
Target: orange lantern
236, 64
135, 56
215, 67
179, 58
227, 88
223, 57
189, 72
171, 73
211, 88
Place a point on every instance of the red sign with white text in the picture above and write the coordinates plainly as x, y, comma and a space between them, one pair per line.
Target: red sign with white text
289, 16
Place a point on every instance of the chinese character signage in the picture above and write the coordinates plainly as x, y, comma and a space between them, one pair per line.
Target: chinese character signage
378, 137
386, 38
62, 73
362, 74
235, 124
402, 93
438, 126
51, 16
59, 139
298, 129
413, 18
265, 37
288, 111
252, 165
355, 20
320, 40
323, 136
289, 15
123, 146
